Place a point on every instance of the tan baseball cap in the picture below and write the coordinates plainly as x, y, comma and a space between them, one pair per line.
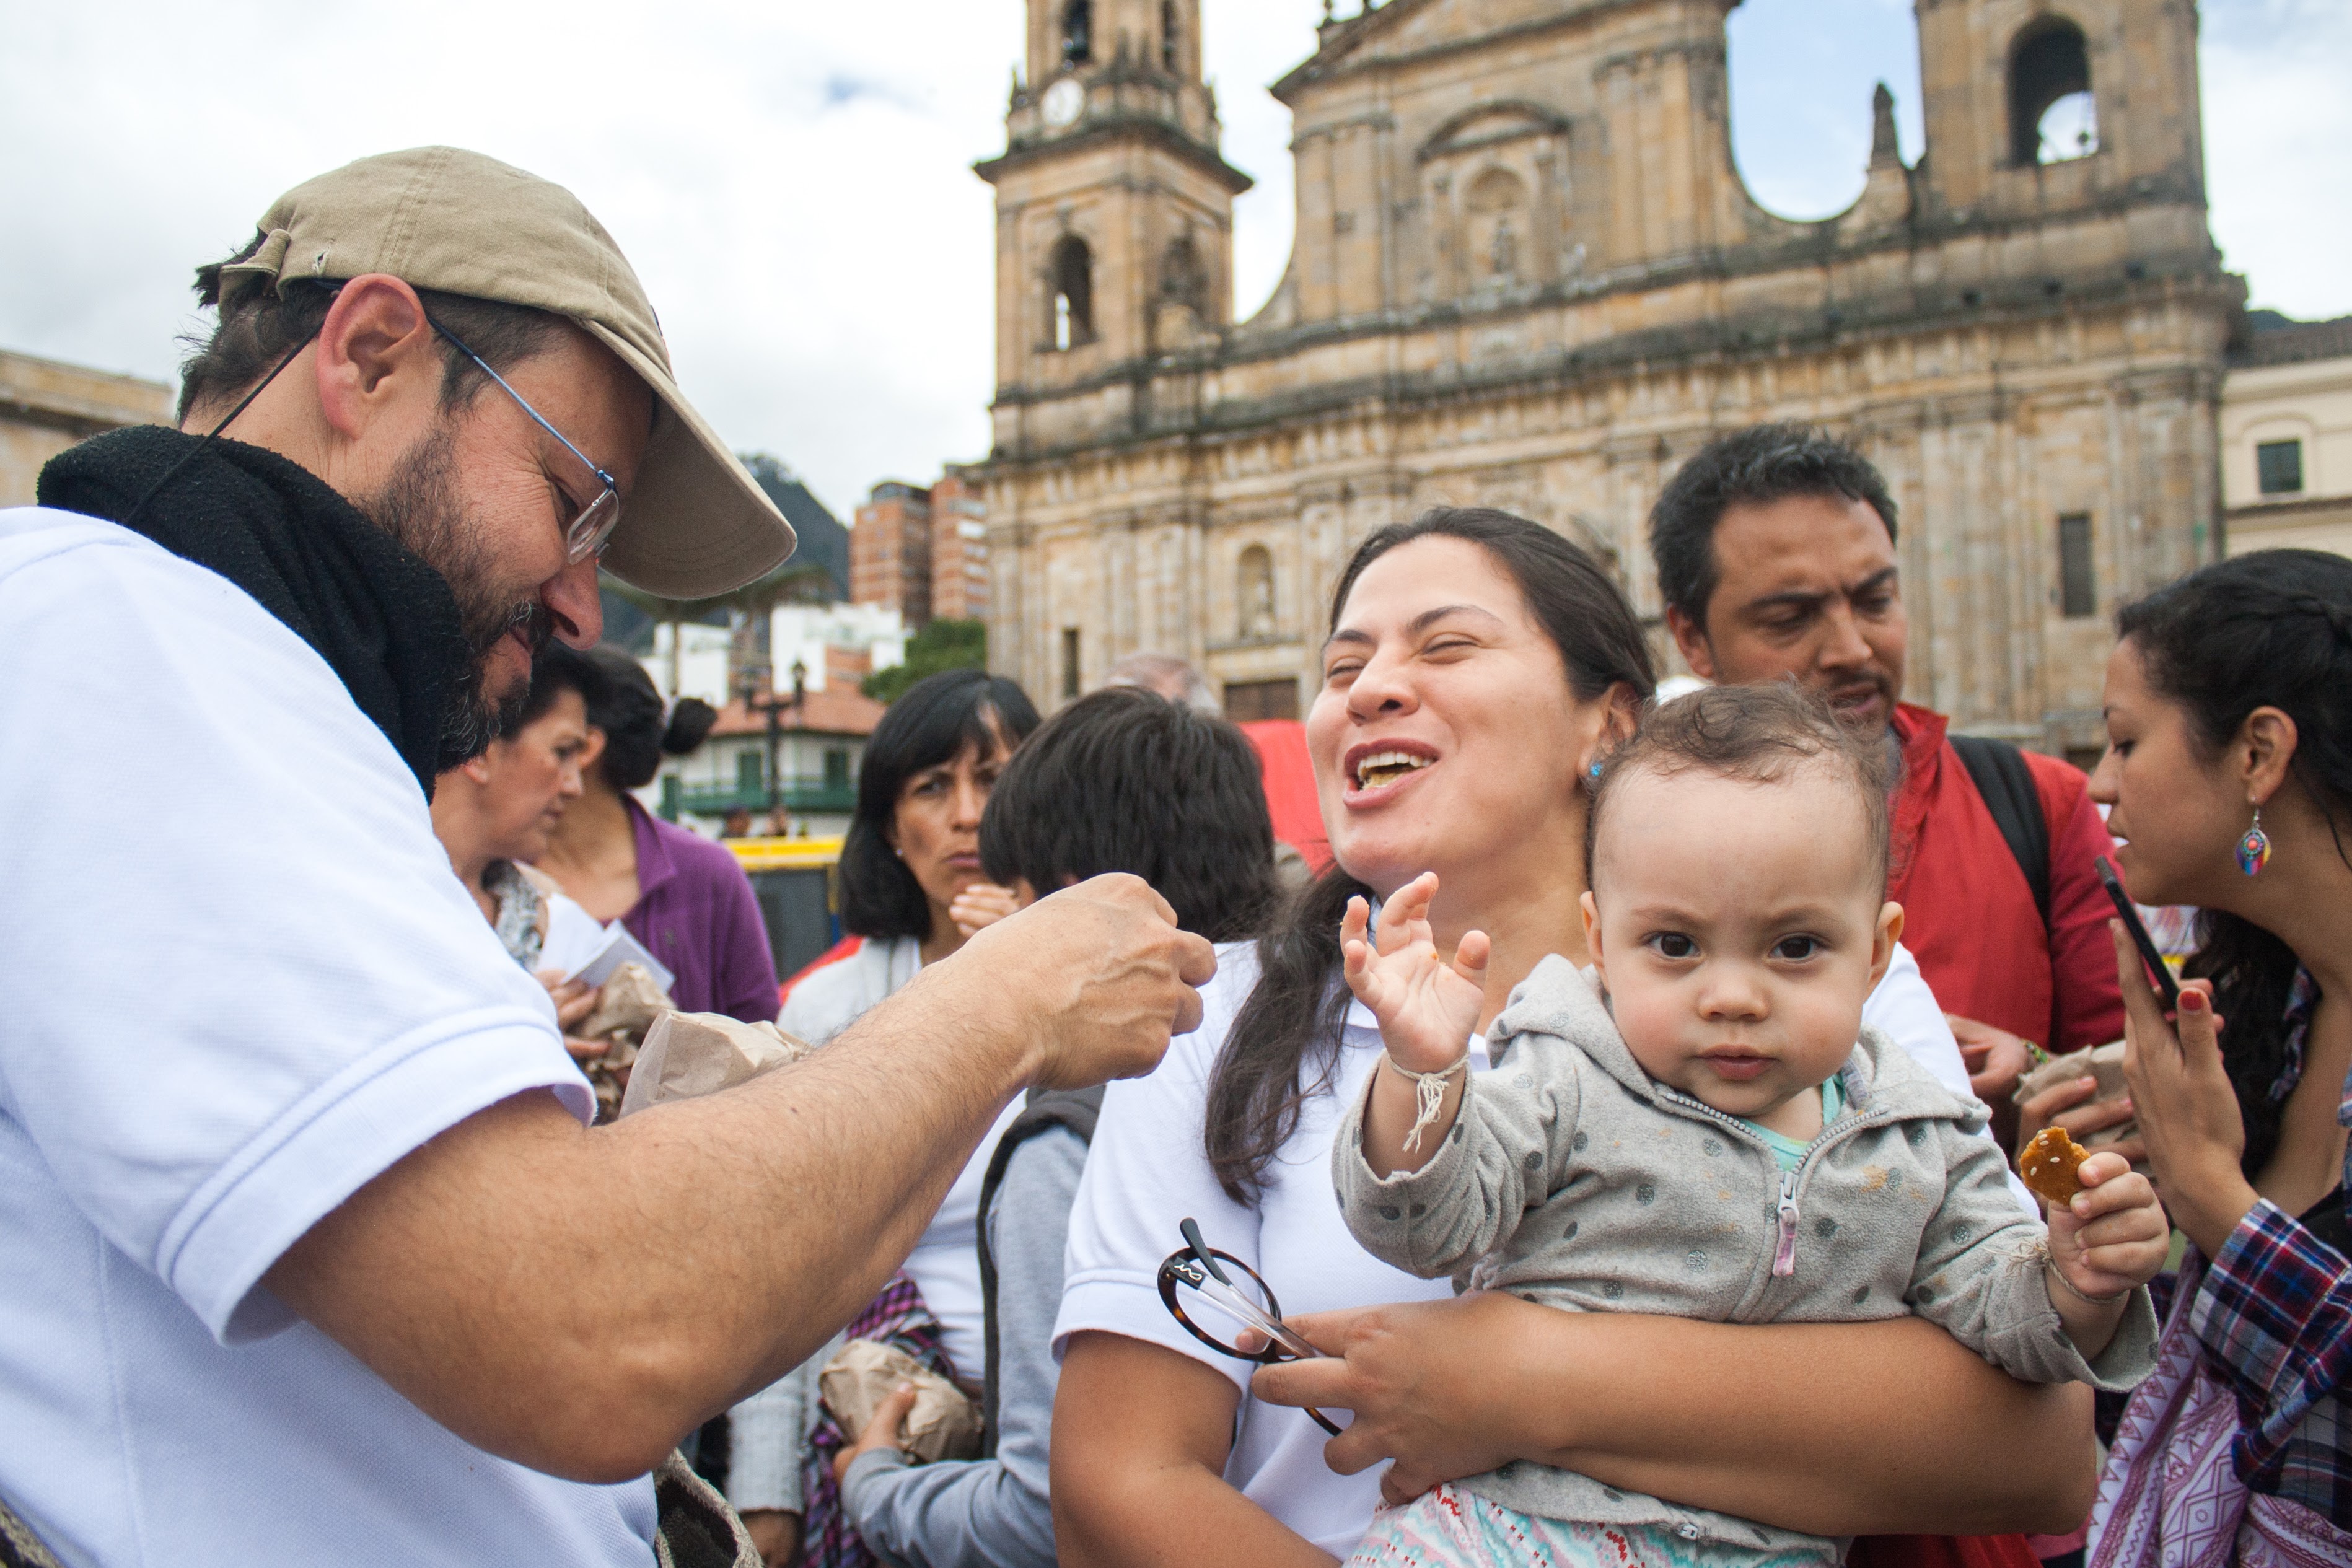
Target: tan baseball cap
697, 524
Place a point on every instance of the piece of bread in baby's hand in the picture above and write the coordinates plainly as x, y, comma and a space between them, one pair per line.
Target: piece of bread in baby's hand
2049, 1165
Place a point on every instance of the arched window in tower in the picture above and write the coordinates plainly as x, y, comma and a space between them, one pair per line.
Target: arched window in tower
1253, 591
2052, 117
1182, 281
1077, 32
1171, 37
1070, 284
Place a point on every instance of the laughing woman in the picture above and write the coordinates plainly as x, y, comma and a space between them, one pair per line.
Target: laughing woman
2229, 707
1477, 664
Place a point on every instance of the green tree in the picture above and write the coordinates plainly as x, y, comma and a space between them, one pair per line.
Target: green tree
941, 645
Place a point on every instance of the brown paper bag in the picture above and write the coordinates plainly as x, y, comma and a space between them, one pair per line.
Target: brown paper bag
2103, 1063
944, 1424
626, 1005
687, 1054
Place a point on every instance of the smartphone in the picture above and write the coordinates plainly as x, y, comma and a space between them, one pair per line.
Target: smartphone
2158, 970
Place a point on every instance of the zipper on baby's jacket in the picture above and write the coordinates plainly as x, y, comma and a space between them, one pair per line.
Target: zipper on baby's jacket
1784, 1249
1784, 1255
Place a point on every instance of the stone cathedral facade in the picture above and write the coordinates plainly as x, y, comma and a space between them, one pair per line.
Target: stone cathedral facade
1528, 275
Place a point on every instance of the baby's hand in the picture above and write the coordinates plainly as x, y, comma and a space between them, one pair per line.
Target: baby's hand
2114, 1235
1427, 1009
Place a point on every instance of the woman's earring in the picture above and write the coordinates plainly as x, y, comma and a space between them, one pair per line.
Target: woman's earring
2254, 848
1593, 772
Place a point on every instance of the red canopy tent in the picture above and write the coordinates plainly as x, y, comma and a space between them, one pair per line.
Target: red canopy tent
1290, 788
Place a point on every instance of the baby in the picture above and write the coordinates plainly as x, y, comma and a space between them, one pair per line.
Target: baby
1713, 1134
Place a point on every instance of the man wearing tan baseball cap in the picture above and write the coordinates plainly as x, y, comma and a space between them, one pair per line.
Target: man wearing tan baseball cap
310, 1254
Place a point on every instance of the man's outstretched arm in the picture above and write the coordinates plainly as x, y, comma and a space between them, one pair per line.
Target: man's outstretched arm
575, 1299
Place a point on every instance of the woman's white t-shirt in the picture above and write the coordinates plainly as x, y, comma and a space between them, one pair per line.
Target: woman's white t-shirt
945, 1263
1147, 1172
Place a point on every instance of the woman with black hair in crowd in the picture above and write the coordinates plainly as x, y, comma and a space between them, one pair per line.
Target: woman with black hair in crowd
1477, 666
912, 890
683, 897
2229, 769
1124, 780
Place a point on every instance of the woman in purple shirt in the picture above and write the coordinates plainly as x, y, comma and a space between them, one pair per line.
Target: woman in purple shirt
683, 897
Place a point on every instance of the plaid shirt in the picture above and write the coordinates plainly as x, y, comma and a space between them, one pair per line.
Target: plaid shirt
2275, 1316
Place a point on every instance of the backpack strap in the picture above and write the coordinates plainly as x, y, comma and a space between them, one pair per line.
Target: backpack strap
1076, 1109
2006, 784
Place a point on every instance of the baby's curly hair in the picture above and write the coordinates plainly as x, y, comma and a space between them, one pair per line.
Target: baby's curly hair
1757, 734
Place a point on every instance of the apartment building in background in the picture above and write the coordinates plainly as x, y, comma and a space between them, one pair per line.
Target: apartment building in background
923, 551
2287, 436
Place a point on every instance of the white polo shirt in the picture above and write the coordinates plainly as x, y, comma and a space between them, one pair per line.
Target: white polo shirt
239, 981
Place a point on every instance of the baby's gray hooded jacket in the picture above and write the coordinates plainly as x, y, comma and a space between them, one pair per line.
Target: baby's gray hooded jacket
1570, 1178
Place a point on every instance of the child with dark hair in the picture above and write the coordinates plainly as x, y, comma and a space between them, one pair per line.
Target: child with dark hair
1714, 1069
1123, 780
1128, 780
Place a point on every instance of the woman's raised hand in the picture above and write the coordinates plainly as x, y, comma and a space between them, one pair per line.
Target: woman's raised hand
2188, 1112
981, 905
1427, 1009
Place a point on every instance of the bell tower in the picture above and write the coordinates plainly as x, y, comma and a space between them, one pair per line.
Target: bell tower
1114, 209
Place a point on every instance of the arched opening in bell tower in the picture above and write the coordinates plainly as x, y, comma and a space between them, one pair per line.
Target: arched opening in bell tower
2052, 116
1070, 287
1077, 32
1172, 38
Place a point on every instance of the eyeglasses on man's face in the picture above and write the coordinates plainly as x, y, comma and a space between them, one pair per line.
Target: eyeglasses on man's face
1222, 1302
589, 531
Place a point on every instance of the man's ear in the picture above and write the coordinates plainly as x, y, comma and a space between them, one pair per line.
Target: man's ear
376, 352
1690, 641
476, 769
1882, 940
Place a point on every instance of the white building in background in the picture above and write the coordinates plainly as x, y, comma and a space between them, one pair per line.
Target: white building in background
692, 661
2287, 436
800, 635
810, 785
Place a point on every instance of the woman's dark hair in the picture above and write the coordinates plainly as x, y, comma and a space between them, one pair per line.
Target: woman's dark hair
932, 723
1292, 1019
2273, 628
1126, 780
554, 670
628, 708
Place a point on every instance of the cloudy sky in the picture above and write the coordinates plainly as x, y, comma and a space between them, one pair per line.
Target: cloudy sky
792, 179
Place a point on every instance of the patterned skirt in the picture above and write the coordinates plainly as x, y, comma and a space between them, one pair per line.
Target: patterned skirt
898, 1318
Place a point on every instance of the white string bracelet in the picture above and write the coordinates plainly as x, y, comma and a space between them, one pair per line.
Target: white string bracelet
2084, 1296
1428, 1093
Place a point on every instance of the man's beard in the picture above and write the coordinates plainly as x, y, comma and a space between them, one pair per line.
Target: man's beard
420, 509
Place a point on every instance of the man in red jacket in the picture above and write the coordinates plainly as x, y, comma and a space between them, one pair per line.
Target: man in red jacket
1775, 552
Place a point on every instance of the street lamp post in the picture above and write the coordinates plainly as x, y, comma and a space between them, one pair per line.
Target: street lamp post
760, 697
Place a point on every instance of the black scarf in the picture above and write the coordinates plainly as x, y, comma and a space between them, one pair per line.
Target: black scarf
385, 622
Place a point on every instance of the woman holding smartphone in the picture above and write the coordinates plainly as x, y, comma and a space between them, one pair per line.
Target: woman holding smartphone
2229, 769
